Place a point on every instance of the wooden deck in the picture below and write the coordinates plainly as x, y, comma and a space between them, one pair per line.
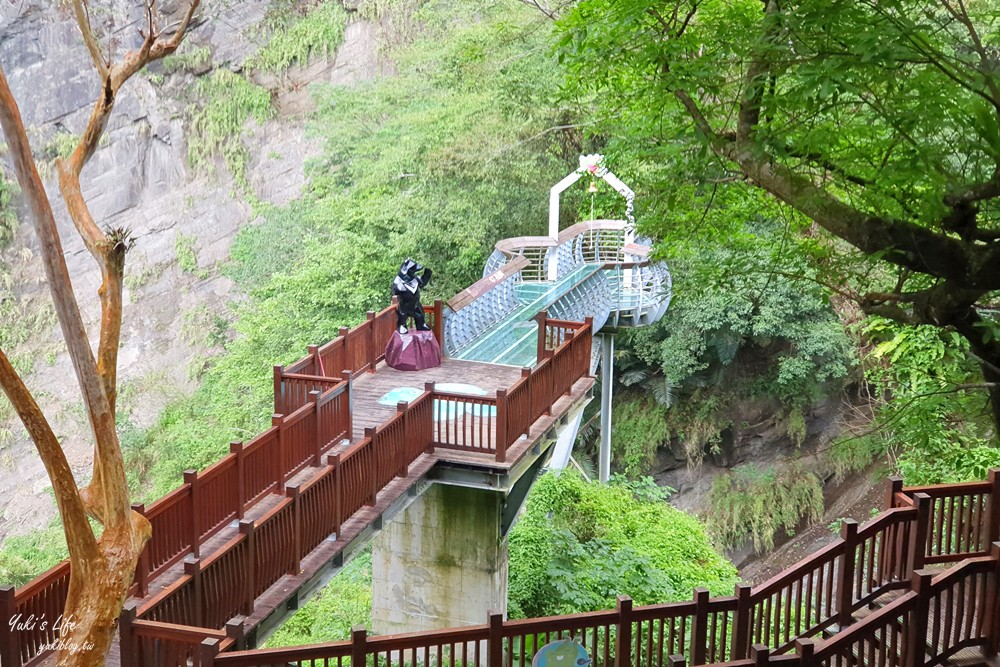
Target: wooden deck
368, 388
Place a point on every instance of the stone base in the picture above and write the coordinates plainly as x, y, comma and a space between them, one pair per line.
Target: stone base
413, 351
440, 564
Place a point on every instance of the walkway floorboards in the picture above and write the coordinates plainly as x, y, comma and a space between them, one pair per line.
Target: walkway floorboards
368, 388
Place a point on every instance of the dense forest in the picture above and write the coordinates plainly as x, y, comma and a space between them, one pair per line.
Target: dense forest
821, 177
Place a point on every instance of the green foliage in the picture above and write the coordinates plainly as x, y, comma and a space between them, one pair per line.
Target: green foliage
938, 430
228, 101
189, 59
187, 260
331, 613
639, 427
8, 216
751, 503
875, 124
579, 545
734, 309
320, 32
61, 145
25, 556
740, 327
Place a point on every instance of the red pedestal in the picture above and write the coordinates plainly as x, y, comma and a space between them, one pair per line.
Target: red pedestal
413, 351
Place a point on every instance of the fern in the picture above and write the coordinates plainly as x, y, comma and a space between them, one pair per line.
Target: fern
753, 504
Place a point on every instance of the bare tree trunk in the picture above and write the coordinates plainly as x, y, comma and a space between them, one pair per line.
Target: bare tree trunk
101, 570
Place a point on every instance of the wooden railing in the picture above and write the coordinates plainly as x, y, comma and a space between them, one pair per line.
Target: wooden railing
353, 351
171, 645
208, 501
21, 640
491, 425
803, 617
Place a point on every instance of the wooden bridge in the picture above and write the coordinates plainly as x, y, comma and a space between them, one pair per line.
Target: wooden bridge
234, 545
237, 544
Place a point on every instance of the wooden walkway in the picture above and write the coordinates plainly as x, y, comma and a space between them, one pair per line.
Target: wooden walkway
368, 388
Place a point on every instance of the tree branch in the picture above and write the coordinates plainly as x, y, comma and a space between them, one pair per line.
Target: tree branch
83, 21
79, 537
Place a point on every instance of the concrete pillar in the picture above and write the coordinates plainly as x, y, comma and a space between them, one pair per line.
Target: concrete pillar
441, 563
607, 386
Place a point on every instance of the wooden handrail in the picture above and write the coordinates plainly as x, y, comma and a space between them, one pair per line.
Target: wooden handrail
159, 630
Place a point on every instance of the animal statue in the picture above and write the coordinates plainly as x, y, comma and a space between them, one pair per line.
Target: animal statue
406, 287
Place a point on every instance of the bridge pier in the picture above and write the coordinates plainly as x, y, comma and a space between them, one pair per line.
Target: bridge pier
441, 563
607, 386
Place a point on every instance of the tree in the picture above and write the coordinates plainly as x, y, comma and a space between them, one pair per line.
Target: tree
101, 568
877, 121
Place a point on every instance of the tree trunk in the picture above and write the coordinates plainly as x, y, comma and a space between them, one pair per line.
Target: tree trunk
97, 592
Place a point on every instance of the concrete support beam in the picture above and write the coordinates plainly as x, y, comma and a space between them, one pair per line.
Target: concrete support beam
441, 563
607, 387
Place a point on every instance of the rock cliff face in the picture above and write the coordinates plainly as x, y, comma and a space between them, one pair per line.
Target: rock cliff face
140, 179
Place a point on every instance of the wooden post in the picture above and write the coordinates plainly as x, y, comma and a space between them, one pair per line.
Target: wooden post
501, 424
207, 650
317, 429
142, 567
192, 568
741, 622
279, 389
429, 388
917, 638
918, 536
623, 632
993, 511
236, 632
585, 348
845, 578
359, 650
894, 484
494, 642
373, 467
541, 351
248, 528
128, 644
293, 492
805, 648
401, 464
10, 652
342, 333
676, 661
699, 626
318, 369
236, 447
334, 460
993, 605
281, 466
191, 479
760, 654
347, 377
373, 353
439, 323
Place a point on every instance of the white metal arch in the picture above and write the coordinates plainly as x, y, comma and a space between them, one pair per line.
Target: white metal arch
593, 165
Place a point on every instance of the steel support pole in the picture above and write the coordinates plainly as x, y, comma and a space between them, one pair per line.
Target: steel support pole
607, 383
